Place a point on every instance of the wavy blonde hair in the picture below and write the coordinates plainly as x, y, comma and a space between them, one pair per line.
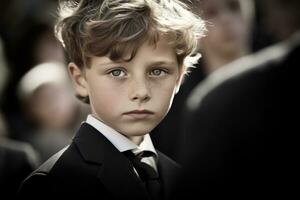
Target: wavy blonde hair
88, 28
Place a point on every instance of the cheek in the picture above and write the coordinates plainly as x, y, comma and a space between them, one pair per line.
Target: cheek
164, 93
106, 97
215, 34
238, 23
241, 29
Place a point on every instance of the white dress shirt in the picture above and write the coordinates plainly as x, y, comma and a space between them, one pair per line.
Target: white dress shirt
122, 143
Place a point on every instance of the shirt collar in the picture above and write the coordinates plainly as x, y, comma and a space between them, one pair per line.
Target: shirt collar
121, 142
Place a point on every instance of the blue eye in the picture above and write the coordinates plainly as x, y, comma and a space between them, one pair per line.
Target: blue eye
157, 72
117, 73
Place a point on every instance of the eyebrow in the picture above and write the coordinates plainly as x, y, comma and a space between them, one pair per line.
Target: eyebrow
162, 63
159, 62
107, 63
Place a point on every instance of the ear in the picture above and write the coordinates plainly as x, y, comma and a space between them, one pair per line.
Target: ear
78, 79
180, 78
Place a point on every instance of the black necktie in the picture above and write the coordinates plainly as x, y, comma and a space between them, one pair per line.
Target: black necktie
146, 173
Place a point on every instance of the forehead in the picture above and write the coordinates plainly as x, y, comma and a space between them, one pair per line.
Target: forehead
160, 52
203, 6
218, 3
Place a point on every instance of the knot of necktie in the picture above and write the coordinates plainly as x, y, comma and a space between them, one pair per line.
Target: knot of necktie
144, 170
146, 173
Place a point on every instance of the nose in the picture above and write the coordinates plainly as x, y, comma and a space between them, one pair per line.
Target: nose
140, 90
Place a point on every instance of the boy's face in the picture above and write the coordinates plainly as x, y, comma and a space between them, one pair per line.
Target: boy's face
131, 97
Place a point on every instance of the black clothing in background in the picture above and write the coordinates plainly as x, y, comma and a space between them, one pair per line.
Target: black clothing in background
17, 161
240, 127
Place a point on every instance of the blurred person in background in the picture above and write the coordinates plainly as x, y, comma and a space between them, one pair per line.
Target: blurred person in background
228, 37
50, 107
4, 73
29, 40
241, 136
229, 26
17, 159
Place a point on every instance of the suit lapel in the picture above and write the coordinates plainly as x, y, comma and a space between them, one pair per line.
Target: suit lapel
169, 172
116, 172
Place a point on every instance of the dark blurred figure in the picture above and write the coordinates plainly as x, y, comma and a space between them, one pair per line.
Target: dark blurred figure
240, 133
27, 31
38, 107
17, 160
228, 36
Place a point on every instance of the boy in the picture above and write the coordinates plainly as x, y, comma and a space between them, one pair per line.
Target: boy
126, 61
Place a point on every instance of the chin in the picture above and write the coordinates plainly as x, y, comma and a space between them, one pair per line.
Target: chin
137, 131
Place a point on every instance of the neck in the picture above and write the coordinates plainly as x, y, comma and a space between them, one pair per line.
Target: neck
136, 139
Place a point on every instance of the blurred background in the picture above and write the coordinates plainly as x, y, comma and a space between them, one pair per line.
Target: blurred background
37, 102
38, 108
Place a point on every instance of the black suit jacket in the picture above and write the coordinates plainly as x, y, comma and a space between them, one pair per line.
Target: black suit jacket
17, 161
240, 133
92, 167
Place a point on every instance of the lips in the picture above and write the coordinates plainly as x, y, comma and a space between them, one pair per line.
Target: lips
139, 114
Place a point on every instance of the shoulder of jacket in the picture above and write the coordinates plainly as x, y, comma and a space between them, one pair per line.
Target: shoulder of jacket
166, 159
46, 167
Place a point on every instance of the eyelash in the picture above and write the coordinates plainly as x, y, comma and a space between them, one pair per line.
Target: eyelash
164, 71
120, 70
